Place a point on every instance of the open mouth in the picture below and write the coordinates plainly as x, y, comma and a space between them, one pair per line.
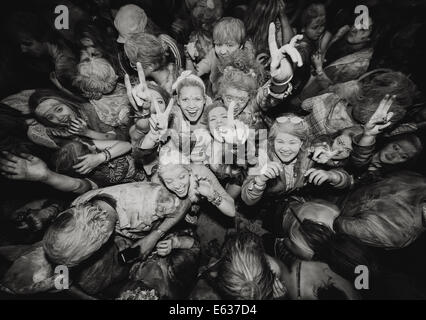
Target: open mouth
192, 113
180, 191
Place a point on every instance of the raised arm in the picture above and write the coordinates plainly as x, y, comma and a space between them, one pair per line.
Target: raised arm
364, 144
209, 187
30, 168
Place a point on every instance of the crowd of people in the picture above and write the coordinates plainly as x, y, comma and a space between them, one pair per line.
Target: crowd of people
212, 149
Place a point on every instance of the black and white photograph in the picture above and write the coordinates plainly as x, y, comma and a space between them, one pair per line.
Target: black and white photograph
212, 150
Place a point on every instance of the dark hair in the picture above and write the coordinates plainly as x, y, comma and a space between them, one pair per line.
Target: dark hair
183, 267
41, 95
310, 13
316, 235
260, 14
330, 292
374, 89
410, 138
343, 254
29, 24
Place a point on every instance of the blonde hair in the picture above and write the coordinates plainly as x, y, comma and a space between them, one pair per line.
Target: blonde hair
95, 77
244, 272
77, 233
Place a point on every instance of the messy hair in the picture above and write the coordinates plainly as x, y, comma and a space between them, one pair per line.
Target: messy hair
95, 78
244, 273
260, 15
311, 13
77, 233
229, 29
235, 78
147, 49
375, 89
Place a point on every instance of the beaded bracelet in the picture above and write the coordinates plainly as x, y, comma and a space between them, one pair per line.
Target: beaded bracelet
107, 154
216, 199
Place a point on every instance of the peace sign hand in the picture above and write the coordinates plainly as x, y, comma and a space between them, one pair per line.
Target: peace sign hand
322, 154
203, 186
381, 118
234, 131
160, 120
281, 68
139, 96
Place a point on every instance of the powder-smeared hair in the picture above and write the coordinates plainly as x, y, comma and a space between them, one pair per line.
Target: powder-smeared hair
147, 49
244, 273
78, 233
229, 29
95, 78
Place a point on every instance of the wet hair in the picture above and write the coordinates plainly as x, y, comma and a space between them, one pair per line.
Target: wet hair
66, 157
77, 233
229, 29
330, 292
260, 14
147, 49
244, 273
311, 13
374, 90
95, 77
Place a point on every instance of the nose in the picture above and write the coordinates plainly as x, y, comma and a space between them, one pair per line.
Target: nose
24, 49
222, 50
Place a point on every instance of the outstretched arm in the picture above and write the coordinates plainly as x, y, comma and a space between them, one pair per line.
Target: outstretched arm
30, 168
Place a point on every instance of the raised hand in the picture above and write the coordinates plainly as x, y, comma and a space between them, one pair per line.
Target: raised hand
270, 172
160, 121
281, 68
88, 163
323, 153
318, 60
139, 96
234, 131
318, 177
78, 127
381, 118
203, 186
25, 167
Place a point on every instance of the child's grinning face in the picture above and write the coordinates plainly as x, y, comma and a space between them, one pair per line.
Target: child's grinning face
315, 29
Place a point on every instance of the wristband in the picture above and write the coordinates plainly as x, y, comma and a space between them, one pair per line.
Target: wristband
280, 84
216, 199
161, 232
